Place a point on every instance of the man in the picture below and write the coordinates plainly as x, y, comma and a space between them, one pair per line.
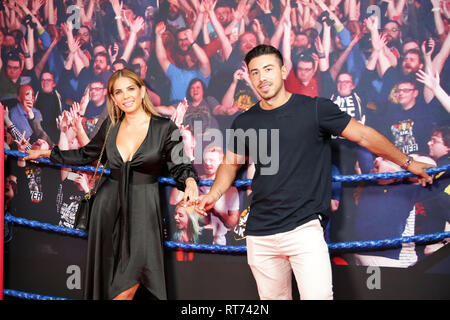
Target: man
289, 205
84, 37
352, 100
436, 216
301, 79
10, 76
346, 97
224, 71
224, 12
439, 145
49, 102
100, 69
96, 108
374, 218
301, 43
393, 37
411, 63
148, 78
26, 117
408, 124
184, 57
118, 64
175, 19
180, 77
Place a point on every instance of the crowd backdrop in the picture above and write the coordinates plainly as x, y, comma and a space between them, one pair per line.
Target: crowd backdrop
382, 62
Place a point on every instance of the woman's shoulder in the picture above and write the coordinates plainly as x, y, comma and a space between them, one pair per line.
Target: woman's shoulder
162, 122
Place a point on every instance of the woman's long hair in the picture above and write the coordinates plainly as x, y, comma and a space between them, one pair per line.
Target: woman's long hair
114, 112
193, 228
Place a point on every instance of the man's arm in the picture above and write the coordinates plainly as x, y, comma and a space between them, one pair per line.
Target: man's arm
432, 83
378, 144
160, 50
224, 40
224, 179
205, 66
135, 27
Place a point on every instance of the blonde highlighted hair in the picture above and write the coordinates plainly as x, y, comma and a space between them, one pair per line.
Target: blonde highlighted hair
193, 228
114, 111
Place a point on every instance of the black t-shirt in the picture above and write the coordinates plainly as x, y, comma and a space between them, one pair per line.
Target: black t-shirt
410, 130
292, 181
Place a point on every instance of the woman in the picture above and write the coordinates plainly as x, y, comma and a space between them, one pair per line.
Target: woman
125, 229
186, 221
200, 108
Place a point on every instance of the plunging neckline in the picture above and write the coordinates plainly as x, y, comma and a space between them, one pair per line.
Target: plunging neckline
138, 149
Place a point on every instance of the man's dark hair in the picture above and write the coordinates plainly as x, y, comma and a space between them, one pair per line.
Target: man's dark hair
445, 132
188, 90
410, 39
302, 56
103, 54
86, 27
97, 79
13, 56
225, 3
47, 71
180, 30
261, 50
125, 64
409, 79
344, 72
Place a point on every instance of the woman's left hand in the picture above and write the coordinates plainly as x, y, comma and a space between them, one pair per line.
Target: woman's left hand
190, 192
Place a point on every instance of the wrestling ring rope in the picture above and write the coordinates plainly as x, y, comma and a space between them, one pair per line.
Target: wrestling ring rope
340, 246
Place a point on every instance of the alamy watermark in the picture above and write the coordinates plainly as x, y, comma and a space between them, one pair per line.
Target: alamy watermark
374, 280
262, 146
74, 16
74, 279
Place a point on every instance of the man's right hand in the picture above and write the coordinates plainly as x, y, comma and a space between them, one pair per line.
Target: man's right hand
205, 203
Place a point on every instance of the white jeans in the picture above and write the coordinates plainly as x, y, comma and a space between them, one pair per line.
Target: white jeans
302, 250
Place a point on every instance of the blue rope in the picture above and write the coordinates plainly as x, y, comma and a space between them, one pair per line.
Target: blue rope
389, 243
248, 182
29, 296
205, 247
18, 154
46, 226
372, 244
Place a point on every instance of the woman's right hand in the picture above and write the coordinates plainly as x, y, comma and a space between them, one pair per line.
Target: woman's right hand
36, 154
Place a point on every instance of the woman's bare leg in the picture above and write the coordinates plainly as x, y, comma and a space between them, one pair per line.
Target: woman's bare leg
127, 294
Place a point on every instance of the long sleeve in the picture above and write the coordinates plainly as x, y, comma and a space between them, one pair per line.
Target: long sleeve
179, 165
17, 135
85, 155
35, 124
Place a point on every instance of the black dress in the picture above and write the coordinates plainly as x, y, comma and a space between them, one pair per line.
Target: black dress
125, 244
